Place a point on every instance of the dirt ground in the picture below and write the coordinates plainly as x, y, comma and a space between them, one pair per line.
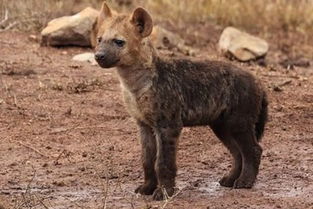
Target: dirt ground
66, 140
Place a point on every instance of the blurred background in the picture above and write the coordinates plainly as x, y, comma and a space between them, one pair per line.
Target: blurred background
258, 15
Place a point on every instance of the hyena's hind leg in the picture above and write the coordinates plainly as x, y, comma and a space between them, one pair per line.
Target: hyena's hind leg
225, 136
148, 155
251, 153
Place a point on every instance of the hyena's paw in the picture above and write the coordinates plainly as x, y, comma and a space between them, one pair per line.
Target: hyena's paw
227, 181
162, 194
145, 189
243, 183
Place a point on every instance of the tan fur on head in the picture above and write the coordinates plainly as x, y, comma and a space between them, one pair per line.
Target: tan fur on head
140, 18
122, 39
105, 11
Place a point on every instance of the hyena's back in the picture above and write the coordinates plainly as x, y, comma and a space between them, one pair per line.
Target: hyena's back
211, 92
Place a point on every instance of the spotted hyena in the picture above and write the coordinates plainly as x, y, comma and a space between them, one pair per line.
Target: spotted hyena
164, 95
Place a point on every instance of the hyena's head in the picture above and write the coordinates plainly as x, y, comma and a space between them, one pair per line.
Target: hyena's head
120, 38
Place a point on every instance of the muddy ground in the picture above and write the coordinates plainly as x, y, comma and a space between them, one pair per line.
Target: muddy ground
66, 140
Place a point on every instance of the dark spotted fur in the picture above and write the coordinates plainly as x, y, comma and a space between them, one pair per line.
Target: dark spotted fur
186, 93
165, 95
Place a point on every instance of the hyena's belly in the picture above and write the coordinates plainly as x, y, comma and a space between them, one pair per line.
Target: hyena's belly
202, 114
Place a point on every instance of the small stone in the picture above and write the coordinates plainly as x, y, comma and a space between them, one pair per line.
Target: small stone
75, 66
277, 88
59, 183
85, 57
13, 164
298, 62
68, 111
33, 38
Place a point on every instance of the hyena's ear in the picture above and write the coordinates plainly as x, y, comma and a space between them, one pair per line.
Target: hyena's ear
105, 13
142, 22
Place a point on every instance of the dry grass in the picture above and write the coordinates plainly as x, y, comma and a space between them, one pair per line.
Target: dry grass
32, 15
264, 15
259, 15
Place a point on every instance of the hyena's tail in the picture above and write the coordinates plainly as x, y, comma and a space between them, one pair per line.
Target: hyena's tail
262, 119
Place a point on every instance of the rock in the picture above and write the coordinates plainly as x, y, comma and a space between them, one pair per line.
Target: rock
278, 86
86, 57
162, 38
33, 38
241, 45
296, 62
71, 30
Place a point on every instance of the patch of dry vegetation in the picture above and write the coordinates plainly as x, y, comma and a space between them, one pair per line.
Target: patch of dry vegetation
29, 15
265, 15
259, 15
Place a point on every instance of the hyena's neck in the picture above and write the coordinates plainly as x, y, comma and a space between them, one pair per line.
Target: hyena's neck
138, 77
136, 80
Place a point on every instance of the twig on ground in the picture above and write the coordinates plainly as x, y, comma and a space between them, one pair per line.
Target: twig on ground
11, 25
6, 17
169, 199
35, 150
15, 100
105, 190
285, 83
74, 202
27, 191
29, 199
41, 201
61, 130
131, 200
58, 158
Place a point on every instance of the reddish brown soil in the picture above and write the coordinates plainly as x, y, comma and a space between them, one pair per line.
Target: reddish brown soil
66, 140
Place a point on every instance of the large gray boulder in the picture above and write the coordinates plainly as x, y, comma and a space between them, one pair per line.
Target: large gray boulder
241, 45
75, 30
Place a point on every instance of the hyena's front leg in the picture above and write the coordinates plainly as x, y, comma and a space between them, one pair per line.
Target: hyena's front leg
148, 155
165, 166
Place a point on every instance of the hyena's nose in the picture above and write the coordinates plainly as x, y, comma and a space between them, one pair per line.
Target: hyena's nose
106, 58
99, 56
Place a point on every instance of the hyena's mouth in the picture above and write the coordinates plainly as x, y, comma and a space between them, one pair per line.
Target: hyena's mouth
105, 64
106, 61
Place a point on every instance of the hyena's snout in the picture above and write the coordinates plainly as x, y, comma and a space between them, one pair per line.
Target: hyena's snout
106, 57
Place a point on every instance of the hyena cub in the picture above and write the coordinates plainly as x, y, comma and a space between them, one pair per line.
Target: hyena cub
164, 95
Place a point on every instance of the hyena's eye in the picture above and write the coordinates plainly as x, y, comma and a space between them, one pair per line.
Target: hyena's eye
118, 42
99, 39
